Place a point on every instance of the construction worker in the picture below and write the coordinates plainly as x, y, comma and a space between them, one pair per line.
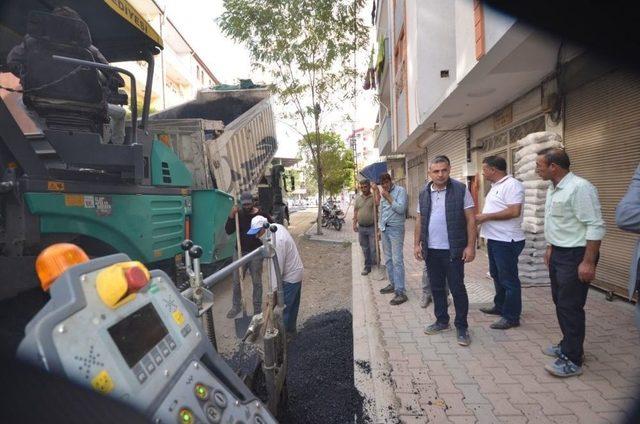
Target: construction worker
291, 268
248, 244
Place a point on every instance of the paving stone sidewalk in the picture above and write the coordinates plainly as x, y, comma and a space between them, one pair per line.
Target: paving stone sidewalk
500, 378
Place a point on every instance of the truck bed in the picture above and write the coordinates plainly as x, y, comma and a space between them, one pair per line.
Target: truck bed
227, 138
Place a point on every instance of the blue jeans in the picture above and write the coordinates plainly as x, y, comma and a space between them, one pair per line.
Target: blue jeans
291, 304
367, 239
503, 267
442, 270
392, 244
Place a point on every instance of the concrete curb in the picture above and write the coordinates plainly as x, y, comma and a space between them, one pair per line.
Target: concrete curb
370, 361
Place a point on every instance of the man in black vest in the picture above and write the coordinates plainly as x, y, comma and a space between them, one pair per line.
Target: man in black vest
445, 237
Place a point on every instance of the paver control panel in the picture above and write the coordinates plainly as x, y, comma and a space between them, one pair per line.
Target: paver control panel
128, 333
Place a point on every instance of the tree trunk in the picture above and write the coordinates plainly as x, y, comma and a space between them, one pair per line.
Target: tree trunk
319, 173
320, 196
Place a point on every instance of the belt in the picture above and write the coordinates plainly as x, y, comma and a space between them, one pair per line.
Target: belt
565, 249
366, 226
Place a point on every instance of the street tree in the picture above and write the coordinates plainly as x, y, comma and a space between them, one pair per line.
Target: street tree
308, 48
336, 163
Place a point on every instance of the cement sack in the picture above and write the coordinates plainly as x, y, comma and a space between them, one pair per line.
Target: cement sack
528, 213
533, 206
534, 203
528, 176
537, 184
535, 274
536, 244
537, 147
526, 167
540, 253
530, 158
534, 221
536, 192
534, 200
534, 237
535, 281
532, 269
533, 211
533, 228
532, 261
537, 137
528, 252
531, 139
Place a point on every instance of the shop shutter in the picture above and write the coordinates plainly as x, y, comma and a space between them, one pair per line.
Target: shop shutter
417, 178
602, 138
454, 146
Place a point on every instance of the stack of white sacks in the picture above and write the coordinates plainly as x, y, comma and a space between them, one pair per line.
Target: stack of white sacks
531, 265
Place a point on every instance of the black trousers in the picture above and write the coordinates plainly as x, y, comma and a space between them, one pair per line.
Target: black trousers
569, 295
443, 271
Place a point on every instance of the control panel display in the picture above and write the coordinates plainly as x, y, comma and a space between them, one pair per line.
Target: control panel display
137, 339
138, 333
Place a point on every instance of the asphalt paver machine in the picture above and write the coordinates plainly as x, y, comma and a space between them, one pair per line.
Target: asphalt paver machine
63, 176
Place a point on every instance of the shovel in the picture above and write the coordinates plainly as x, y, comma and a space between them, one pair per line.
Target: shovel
242, 323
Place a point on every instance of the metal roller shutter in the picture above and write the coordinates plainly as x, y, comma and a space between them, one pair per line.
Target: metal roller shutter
453, 145
417, 176
602, 138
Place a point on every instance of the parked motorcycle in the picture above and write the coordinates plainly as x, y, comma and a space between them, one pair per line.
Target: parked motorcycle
332, 216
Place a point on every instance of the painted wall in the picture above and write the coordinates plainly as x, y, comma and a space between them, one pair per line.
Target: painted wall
431, 49
495, 25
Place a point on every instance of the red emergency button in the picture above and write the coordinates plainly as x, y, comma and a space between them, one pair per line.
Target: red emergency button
136, 278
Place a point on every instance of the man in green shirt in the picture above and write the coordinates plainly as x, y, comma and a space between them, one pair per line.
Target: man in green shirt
363, 224
573, 229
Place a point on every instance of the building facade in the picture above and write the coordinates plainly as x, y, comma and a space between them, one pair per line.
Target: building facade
179, 71
461, 79
362, 140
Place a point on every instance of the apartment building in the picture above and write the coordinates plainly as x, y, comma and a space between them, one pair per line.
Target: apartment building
362, 140
179, 70
458, 78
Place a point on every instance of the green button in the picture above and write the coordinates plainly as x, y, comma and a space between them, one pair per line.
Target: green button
186, 416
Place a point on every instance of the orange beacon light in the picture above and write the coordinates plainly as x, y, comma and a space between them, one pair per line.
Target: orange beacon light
56, 259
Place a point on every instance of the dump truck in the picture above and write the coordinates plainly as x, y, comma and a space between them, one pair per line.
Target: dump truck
62, 178
226, 137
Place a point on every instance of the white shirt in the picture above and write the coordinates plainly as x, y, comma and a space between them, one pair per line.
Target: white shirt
288, 258
508, 191
438, 233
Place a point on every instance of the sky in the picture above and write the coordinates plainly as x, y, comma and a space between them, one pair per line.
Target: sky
229, 61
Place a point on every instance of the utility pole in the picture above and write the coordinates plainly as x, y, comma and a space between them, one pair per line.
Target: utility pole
354, 146
355, 96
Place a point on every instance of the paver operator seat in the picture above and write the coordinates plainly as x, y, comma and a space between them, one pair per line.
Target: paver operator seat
72, 103
66, 96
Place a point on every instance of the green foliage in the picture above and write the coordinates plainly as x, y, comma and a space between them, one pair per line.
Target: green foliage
337, 163
307, 47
